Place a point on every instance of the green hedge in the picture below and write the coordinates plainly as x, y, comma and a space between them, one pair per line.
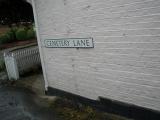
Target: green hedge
11, 35
21, 34
8, 37
30, 34
4, 38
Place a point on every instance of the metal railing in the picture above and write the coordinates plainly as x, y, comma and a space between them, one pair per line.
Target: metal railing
19, 60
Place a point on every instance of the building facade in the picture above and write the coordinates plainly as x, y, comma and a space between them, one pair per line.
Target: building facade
124, 64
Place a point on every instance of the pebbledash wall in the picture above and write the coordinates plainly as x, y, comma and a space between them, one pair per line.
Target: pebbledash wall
124, 64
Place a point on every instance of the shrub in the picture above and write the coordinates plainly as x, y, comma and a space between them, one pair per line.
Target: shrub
8, 36
14, 29
30, 34
4, 38
21, 34
11, 35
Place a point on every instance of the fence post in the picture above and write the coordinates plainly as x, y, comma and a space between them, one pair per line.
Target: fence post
11, 66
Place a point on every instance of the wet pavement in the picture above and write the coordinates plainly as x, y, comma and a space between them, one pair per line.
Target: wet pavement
22, 104
3, 77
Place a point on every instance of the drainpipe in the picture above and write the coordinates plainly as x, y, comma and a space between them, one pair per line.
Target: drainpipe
39, 43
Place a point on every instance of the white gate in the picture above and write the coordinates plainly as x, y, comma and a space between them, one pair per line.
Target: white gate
19, 60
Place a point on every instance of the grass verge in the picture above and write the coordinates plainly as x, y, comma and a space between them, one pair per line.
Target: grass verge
68, 110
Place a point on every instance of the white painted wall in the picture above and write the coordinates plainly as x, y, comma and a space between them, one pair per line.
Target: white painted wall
125, 63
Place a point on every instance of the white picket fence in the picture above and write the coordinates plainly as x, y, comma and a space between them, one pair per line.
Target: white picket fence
17, 61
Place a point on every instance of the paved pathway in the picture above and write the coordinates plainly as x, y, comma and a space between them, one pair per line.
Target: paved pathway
19, 104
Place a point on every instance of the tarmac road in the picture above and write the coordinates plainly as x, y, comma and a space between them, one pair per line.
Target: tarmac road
19, 104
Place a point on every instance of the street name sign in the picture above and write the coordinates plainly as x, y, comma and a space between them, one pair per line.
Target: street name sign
69, 43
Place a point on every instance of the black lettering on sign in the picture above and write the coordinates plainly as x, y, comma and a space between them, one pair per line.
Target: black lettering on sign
70, 43
83, 42
87, 42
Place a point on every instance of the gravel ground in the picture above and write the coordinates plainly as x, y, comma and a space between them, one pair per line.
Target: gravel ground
20, 104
